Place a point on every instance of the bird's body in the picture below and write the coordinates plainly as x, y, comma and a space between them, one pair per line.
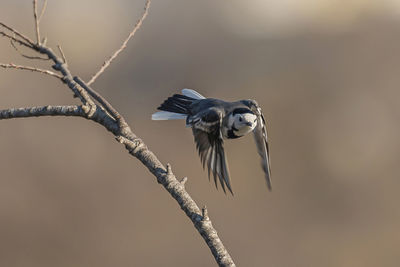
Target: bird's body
212, 121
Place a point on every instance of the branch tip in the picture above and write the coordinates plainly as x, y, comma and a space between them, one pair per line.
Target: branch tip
169, 169
124, 44
183, 181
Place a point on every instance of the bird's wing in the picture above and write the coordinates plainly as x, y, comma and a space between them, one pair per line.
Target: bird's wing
206, 128
261, 139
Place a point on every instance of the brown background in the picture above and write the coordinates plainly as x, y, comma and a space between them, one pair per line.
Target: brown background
327, 76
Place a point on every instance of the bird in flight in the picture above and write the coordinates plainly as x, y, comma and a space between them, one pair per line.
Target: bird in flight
212, 121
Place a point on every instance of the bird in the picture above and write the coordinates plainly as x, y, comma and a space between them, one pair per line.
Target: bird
213, 121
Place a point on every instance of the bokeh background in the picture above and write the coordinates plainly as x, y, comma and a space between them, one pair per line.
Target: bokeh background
327, 75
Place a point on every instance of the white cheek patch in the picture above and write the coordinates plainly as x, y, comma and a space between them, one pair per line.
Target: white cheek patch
249, 117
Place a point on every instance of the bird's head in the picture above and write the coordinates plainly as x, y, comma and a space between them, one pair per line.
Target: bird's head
242, 121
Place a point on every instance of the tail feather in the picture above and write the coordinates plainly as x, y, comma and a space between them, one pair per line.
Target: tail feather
192, 93
166, 115
177, 104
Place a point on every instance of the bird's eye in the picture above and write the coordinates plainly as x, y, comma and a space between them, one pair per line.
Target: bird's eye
240, 119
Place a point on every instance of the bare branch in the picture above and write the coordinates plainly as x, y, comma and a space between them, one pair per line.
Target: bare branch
43, 10
24, 37
35, 16
123, 46
77, 111
41, 111
19, 67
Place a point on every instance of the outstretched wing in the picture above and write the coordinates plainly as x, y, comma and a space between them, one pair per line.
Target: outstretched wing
206, 128
261, 139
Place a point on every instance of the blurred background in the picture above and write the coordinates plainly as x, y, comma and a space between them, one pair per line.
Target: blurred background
326, 74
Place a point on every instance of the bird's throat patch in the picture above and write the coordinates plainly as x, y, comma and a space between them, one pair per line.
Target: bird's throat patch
231, 133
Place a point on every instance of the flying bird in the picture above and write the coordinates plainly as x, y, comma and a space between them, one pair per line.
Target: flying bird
214, 120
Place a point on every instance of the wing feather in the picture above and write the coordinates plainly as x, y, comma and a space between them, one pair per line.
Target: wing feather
261, 140
209, 143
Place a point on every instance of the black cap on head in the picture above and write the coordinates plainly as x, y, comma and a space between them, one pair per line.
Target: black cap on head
241, 111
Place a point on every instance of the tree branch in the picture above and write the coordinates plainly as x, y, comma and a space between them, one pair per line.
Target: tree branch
75, 111
41, 111
117, 125
123, 46
19, 67
23, 37
15, 39
177, 190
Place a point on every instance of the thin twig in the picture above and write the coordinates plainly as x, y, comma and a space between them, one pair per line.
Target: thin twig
43, 10
62, 54
23, 55
35, 16
24, 37
123, 46
19, 67
15, 39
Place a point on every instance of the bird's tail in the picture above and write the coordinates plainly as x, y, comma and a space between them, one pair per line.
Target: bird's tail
177, 106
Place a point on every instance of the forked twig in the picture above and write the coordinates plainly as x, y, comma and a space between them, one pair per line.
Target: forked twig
123, 46
103, 102
23, 37
15, 39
